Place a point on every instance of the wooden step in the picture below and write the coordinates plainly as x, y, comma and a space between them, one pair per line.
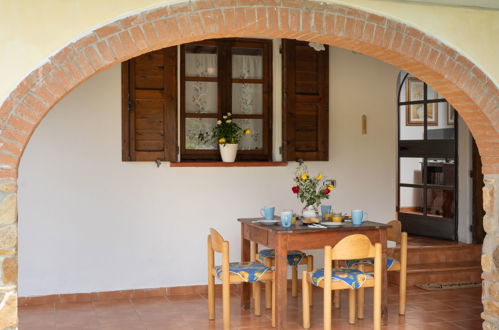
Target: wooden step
446, 263
440, 254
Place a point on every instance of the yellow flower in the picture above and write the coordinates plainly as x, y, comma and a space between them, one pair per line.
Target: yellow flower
304, 176
224, 117
228, 121
219, 122
320, 176
229, 114
248, 131
221, 140
330, 187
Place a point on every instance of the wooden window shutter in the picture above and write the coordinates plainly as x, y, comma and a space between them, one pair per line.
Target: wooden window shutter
149, 91
305, 101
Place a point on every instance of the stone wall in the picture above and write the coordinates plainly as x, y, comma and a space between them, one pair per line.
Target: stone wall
490, 253
8, 255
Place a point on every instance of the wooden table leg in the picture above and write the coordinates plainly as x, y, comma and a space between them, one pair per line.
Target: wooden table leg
384, 282
281, 265
245, 256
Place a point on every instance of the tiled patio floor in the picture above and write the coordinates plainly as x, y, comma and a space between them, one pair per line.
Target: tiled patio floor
435, 310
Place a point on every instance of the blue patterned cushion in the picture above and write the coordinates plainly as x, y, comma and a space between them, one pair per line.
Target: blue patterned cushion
294, 257
370, 262
248, 271
352, 277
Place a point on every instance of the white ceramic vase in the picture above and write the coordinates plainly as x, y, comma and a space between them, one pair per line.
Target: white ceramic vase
228, 152
310, 212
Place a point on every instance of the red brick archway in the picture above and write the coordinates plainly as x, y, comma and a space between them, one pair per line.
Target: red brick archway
462, 83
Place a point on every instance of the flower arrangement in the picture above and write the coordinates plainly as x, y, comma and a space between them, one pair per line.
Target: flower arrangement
311, 190
226, 131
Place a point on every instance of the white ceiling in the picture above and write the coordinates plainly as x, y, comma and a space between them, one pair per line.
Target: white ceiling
486, 4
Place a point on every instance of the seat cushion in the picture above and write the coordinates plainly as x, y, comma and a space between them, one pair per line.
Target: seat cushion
248, 271
294, 257
370, 262
352, 277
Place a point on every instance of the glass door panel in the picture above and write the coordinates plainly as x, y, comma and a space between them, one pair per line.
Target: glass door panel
445, 128
411, 123
411, 200
440, 203
411, 170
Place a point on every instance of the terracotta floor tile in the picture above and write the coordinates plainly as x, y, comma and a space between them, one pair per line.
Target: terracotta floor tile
432, 310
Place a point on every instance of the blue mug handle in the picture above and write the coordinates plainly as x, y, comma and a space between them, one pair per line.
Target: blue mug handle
365, 216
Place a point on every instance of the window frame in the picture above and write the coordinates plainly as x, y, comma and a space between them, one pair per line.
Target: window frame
224, 96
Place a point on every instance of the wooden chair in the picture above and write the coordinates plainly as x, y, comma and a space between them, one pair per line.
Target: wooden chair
295, 258
235, 272
394, 233
355, 246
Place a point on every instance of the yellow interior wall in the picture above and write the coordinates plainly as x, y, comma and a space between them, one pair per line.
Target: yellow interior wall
33, 30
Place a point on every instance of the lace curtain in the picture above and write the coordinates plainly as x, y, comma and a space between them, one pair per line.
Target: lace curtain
202, 97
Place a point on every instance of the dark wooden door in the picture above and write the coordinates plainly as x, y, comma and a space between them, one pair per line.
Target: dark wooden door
427, 176
478, 211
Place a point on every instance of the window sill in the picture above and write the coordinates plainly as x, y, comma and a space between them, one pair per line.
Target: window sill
222, 164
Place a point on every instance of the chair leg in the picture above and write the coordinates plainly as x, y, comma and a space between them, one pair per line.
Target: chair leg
360, 303
211, 297
226, 304
327, 309
402, 291
268, 286
310, 268
268, 294
337, 298
351, 306
337, 293
258, 299
305, 298
294, 281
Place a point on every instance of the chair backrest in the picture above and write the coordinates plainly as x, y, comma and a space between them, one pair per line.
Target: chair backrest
394, 233
355, 246
216, 240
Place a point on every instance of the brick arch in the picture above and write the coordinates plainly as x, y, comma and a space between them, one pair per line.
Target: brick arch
462, 83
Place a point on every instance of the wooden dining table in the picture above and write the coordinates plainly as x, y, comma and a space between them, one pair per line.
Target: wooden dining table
302, 237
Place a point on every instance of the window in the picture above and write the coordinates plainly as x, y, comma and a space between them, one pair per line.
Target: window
221, 76
212, 78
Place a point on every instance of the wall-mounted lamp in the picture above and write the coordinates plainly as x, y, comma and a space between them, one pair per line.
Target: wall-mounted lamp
364, 124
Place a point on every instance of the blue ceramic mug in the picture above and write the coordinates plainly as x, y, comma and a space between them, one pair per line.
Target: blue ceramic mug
286, 218
267, 212
358, 216
325, 209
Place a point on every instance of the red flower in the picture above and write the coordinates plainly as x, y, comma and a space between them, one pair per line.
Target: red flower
295, 189
326, 191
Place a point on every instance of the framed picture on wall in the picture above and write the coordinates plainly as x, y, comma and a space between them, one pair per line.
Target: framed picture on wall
415, 112
451, 114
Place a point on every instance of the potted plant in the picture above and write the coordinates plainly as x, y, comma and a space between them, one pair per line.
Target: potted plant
311, 190
228, 134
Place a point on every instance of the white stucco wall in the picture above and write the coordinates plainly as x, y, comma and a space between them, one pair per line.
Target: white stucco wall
90, 222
